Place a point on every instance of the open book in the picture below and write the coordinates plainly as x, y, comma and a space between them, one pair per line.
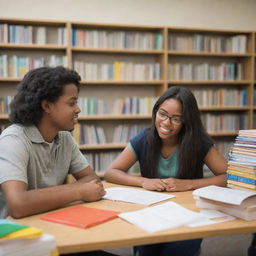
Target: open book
239, 203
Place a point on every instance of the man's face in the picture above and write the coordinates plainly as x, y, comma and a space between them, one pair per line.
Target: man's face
63, 114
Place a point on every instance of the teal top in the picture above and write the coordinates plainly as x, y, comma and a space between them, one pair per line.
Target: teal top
167, 167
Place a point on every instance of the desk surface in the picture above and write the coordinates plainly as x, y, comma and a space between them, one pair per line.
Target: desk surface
118, 233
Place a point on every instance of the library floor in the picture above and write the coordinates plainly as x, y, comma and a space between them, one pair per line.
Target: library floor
235, 245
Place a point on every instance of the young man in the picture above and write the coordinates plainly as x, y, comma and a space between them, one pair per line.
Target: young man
37, 151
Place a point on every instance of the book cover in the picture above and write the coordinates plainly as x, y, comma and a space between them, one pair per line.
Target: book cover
12, 230
80, 216
250, 181
242, 174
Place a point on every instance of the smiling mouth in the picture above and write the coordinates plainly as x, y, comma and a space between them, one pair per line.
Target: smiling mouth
165, 130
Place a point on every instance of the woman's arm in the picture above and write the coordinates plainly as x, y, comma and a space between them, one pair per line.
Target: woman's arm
215, 162
117, 173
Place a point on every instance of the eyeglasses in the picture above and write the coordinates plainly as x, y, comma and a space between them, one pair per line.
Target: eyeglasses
176, 120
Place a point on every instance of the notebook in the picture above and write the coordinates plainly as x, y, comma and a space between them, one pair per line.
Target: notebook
80, 216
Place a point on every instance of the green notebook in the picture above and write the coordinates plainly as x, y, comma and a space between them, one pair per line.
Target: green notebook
8, 227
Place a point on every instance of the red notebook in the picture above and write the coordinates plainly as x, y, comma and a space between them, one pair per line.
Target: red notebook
80, 216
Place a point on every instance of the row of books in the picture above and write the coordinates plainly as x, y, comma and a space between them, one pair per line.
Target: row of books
134, 105
224, 122
91, 134
127, 71
17, 66
4, 104
101, 161
117, 39
128, 105
123, 133
20, 34
220, 97
205, 71
242, 161
208, 43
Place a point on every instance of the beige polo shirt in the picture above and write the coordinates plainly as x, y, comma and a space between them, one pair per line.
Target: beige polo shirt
26, 156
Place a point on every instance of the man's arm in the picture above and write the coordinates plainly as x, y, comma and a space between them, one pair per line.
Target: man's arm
22, 202
86, 175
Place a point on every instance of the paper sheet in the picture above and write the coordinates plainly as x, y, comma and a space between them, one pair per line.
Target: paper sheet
161, 217
209, 217
137, 196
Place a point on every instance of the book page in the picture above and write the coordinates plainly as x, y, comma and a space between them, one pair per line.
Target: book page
225, 195
137, 196
161, 217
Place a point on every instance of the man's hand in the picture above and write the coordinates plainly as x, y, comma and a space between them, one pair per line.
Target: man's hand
91, 191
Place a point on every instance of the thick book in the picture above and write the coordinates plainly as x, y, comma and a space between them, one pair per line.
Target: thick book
250, 181
43, 245
80, 216
242, 184
248, 213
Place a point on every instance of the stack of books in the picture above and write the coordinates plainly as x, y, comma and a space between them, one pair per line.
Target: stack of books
236, 202
22, 240
241, 173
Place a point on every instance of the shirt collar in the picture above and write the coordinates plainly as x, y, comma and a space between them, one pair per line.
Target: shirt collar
35, 136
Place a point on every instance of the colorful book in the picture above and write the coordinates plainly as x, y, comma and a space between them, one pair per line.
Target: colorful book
11, 230
80, 216
241, 184
241, 179
242, 174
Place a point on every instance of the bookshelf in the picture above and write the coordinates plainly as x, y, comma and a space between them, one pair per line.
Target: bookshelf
217, 66
125, 68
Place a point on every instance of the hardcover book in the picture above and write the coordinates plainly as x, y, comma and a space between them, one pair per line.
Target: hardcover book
80, 216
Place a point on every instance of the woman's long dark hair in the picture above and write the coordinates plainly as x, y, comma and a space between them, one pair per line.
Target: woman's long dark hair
190, 138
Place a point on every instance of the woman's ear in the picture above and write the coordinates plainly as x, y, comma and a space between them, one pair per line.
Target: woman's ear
45, 106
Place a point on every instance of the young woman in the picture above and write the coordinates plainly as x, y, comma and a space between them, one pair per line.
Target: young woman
171, 155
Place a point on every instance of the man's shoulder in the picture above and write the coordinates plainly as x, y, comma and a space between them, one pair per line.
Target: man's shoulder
13, 130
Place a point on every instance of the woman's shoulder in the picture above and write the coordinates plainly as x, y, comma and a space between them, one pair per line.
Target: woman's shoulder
142, 135
207, 143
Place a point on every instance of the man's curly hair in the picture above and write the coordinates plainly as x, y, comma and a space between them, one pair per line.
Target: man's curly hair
46, 83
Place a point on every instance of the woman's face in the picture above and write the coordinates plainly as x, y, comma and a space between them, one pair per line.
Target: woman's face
169, 119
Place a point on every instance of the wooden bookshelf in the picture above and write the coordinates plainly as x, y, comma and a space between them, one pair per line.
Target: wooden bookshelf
121, 48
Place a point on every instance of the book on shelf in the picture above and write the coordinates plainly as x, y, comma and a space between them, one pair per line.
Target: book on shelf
236, 202
80, 216
22, 240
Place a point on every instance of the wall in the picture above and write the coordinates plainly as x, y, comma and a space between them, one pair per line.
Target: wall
226, 14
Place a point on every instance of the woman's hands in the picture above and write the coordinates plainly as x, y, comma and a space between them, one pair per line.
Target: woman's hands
169, 184
154, 184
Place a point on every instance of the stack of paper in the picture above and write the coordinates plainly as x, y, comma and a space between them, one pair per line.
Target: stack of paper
21, 240
236, 202
241, 171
